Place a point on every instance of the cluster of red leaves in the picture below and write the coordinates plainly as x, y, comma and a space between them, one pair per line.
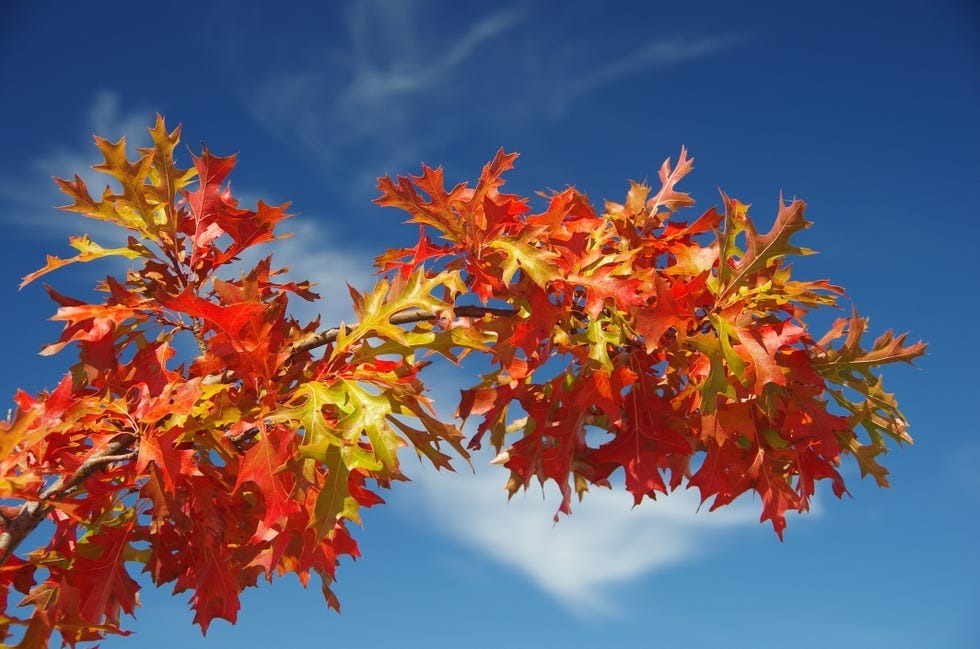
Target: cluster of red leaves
245, 463
249, 460
689, 352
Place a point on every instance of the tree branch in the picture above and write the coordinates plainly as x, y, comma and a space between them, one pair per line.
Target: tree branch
17, 527
405, 317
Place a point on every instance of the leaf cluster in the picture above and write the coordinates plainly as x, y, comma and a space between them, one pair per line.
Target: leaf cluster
681, 346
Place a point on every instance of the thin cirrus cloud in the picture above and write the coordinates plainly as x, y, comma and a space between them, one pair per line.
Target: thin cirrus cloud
389, 89
375, 83
370, 99
655, 54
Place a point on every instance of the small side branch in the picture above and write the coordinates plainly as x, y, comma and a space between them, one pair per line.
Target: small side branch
17, 527
410, 316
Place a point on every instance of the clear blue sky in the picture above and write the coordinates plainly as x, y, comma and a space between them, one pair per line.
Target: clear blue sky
868, 111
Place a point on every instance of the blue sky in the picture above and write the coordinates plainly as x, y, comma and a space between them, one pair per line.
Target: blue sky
868, 111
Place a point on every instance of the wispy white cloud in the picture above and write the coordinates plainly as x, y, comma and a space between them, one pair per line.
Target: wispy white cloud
105, 118
401, 81
29, 201
365, 105
581, 561
374, 83
654, 54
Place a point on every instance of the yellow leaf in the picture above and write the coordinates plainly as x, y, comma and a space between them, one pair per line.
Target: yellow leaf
88, 250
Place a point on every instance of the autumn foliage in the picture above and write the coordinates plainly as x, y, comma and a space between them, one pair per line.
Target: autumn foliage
627, 339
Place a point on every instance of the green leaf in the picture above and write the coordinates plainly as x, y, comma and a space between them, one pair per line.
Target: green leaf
375, 309
762, 250
306, 407
334, 500
368, 413
725, 335
535, 262
716, 383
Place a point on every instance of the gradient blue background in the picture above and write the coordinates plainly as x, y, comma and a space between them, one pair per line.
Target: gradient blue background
868, 111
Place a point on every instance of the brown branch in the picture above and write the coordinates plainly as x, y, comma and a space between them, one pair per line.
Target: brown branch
17, 527
405, 317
